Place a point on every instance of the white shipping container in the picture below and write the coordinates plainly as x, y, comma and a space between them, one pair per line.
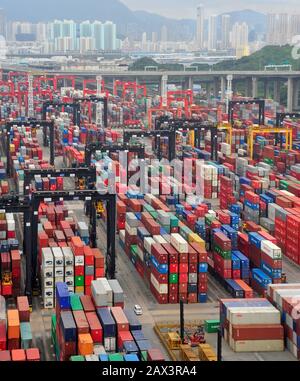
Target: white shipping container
59, 272
258, 346
108, 289
58, 256
99, 294
122, 235
47, 257
130, 230
179, 243
79, 260
159, 239
68, 256
279, 294
253, 315
69, 281
69, 271
271, 249
148, 242
49, 303
160, 288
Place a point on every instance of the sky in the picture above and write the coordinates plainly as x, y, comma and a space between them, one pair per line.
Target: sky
186, 8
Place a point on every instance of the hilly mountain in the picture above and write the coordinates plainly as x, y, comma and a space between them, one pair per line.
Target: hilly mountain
129, 23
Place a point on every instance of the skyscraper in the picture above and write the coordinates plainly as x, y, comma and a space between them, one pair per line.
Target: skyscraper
85, 29
225, 40
212, 32
278, 30
294, 27
98, 35
41, 32
240, 39
164, 34
283, 27
200, 26
66, 31
271, 28
154, 37
2, 22
110, 35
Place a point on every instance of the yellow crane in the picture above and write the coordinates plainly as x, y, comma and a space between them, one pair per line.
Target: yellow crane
256, 130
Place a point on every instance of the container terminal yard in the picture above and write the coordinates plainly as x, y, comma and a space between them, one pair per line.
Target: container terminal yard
146, 227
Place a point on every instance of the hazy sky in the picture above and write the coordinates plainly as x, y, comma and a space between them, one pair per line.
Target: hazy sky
186, 8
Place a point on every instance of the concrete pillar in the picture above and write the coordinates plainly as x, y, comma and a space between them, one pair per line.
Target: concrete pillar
248, 87
277, 91
216, 87
254, 87
290, 95
223, 88
296, 95
234, 87
189, 83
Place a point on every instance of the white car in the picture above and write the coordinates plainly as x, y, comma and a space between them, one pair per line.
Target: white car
138, 310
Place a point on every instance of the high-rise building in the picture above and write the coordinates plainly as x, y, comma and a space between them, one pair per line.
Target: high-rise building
66, 30
164, 34
86, 44
283, 28
240, 39
271, 28
85, 29
98, 35
2, 22
200, 26
154, 37
278, 31
41, 32
212, 32
110, 36
225, 39
294, 27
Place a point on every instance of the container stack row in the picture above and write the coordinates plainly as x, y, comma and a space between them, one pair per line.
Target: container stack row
95, 328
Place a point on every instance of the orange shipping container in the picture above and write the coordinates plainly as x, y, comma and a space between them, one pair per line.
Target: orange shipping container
18, 355
13, 324
85, 344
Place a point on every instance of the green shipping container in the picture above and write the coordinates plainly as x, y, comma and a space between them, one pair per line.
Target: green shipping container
174, 222
144, 356
224, 254
148, 208
133, 249
211, 326
173, 278
76, 303
116, 357
77, 358
154, 215
79, 281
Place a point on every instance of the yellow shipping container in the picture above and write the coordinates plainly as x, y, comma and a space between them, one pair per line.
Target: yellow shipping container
193, 237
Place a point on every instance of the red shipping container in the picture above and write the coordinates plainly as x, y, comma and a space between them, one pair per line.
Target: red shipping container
173, 268
161, 278
257, 332
5, 356
173, 288
88, 256
159, 253
87, 303
183, 268
77, 246
95, 327
3, 341
81, 322
13, 344
123, 336
23, 308
99, 272
88, 280
79, 270
18, 355
183, 297
182, 288
33, 354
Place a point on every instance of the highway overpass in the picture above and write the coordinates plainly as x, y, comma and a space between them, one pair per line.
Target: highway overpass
216, 79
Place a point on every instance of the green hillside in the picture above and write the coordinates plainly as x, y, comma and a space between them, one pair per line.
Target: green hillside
269, 55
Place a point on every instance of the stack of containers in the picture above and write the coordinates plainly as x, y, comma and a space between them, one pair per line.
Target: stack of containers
286, 298
10, 260
175, 265
251, 325
86, 327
